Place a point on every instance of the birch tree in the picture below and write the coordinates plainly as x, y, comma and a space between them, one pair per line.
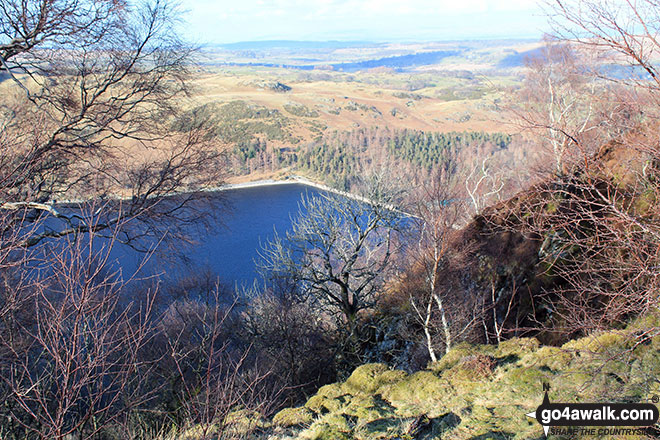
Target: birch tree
340, 249
439, 212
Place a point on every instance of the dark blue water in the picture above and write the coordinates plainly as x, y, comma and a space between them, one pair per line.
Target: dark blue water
247, 219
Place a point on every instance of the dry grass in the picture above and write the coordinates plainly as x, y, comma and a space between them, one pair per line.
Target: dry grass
327, 98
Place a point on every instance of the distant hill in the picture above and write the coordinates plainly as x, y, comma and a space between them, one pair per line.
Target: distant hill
353, 56
296, 45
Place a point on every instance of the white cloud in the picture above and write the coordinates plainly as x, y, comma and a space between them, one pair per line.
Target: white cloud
234, 20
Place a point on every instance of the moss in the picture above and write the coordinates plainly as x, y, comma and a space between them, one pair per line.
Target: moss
331, 434
479, 424
293, 417
326, 399
601, 342
198, 431
457, 354
553, 358
391, 376
322, 405
329, 427
483, 391
418, 394
473, 368
648, 321
331, 391
368, 408
525, 381
365, 379
384, 428
243, 421
517, 347
648, 366
336, 421
315, 403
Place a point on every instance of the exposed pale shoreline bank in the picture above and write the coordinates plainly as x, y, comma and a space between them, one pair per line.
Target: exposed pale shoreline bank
263, 182
293, 180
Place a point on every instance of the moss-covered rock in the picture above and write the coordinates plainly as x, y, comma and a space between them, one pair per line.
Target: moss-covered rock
418, 394
381, 428
367, 379
322, 404
516, 347
293, 417
330, 426
458, 353
331, 391
242, 422
601, 342
553, 358
473, 368
481, 392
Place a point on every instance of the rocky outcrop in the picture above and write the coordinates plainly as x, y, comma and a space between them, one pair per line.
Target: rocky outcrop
477, 391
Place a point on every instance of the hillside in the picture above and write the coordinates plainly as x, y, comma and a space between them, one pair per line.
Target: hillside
478, 391
475, 392
340, 101
559, 242
265, 92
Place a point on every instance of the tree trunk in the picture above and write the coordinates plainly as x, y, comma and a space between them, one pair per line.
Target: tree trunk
445, 323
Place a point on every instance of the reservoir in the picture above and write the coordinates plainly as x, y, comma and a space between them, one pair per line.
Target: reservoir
247, 218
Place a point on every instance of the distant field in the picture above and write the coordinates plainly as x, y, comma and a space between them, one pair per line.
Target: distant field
323, 87
346, 87
269, 100
339, 103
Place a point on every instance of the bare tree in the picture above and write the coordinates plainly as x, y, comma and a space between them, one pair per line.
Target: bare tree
340, 249
73, 365
98, 85
291, 336
559, 101
84, 354
600, 237
621, 32
439, 211
214, 378
483, 185
597, 224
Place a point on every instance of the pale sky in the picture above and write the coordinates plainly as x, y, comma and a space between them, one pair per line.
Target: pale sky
227, 21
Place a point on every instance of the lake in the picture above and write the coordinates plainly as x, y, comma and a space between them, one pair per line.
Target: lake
229, 249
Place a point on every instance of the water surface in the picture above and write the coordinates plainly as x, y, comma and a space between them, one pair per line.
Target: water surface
248, 218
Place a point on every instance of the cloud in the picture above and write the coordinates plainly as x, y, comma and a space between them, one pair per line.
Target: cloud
353, 19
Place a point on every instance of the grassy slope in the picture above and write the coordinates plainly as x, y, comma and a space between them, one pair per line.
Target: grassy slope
461, 93
477, 392
333, 101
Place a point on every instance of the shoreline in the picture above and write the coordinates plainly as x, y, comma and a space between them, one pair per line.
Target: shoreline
304, 181
254, 184
225, 187
292, 180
